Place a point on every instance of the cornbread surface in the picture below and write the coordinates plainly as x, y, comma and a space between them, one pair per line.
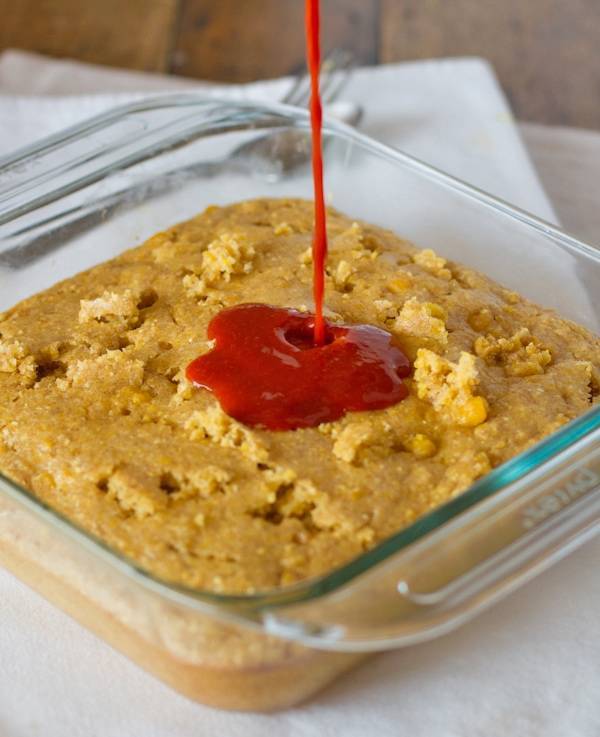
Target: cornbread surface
98, 420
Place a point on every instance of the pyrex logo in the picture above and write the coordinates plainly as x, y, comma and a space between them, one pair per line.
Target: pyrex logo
581, 482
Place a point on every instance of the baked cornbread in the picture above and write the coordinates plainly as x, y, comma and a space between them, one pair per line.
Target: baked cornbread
98, 420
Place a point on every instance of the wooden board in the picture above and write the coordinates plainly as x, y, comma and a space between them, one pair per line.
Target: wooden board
136, 34
237, 41
545, 52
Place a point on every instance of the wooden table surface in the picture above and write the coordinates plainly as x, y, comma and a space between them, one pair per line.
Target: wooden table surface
545, 52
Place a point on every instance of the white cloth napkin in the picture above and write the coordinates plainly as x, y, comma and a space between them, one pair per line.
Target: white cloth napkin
528, 667
450, 113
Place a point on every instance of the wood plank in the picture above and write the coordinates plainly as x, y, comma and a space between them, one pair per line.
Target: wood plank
545, 52
136, 34
238, 41
568, 163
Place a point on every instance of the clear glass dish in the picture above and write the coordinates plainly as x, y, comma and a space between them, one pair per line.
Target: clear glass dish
153, 163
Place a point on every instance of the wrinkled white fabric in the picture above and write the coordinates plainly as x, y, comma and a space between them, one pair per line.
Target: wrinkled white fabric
529, 667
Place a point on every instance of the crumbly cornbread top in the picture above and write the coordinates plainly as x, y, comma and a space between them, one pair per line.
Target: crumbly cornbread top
98, 420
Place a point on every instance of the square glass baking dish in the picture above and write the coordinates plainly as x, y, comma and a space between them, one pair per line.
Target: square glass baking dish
84, 195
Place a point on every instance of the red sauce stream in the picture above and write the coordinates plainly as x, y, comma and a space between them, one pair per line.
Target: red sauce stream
266, 371
281, 369
319, 248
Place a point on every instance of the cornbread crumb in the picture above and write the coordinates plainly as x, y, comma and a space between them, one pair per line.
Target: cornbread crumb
185, 388
109, 304
355, 243
283, 229
430, 261
274, 478
204, 483
226, 256
350, 439
113, 368
450, 386
423, 320
521, 354
401, 282
11, 353
305, 257
385, 309
342, 275
135, 492
15, 358
213, 424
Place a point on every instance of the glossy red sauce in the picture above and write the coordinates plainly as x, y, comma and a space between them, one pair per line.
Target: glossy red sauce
319, 247
266, 371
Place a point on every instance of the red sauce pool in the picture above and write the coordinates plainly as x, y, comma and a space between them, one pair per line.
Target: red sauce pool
266, 371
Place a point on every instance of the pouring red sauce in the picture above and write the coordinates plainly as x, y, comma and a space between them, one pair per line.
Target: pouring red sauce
319, 246
266, 370
281, 369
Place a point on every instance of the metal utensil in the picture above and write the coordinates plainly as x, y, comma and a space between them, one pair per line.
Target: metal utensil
269, 156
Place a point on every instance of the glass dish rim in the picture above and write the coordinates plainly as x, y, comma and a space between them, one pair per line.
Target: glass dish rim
499, 478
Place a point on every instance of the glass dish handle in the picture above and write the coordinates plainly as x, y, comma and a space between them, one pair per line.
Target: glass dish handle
463, 567
565, 513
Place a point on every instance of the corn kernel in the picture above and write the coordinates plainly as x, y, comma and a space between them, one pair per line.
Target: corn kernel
420, 445
400, 283
474, 412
